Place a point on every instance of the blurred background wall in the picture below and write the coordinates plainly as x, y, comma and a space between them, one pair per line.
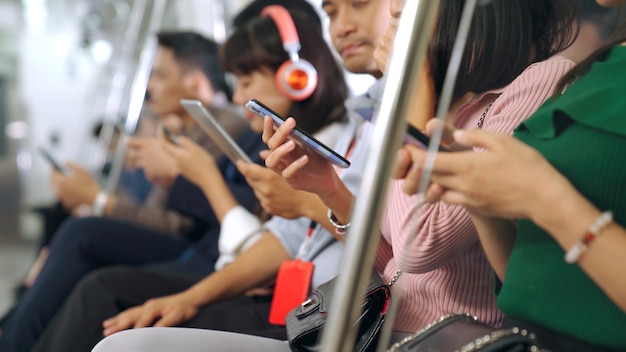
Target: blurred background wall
65, 65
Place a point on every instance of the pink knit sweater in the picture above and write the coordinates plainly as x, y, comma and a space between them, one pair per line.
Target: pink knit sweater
444, 268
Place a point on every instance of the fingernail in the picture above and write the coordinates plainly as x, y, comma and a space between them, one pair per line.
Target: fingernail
458, 134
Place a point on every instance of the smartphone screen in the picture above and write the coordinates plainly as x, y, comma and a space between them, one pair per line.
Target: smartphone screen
52, 161
304, 138
417, 138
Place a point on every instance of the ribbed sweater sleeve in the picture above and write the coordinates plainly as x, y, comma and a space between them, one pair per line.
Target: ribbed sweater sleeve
525, 95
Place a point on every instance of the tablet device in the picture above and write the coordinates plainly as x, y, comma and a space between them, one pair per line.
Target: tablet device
52, 161
214, 130
299, 135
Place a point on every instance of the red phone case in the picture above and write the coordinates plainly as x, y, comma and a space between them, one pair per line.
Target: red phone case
292, 288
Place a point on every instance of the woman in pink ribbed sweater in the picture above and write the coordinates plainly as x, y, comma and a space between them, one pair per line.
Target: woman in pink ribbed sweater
444, 268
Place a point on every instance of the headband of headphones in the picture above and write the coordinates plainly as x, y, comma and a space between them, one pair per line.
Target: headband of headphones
286, 29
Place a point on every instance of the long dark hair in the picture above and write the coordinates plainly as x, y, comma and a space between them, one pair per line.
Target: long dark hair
257, 45
618, 37
505, 37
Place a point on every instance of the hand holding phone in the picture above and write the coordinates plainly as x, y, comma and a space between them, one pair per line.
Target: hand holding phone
304, 138
416, 138
169, 135
53, 162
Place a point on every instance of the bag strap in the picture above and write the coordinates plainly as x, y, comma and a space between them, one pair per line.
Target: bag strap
482, 343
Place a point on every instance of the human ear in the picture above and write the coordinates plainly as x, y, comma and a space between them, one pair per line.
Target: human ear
199, 86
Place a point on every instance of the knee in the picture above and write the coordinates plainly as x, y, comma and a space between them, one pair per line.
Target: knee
101, 278
75, 233
98, 282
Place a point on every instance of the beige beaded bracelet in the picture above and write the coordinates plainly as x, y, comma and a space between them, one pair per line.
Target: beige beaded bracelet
572, 255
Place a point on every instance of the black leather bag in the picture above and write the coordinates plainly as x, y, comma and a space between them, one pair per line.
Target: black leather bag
304, 323
463, 333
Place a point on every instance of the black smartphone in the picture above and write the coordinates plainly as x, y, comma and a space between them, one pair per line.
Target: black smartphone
53, 162
169, 135
417, 138
304, 138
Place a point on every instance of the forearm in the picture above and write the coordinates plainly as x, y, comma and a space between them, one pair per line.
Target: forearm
339, 201
219, 195
317, 211
252, 268
152, 217
497, 237
568, 221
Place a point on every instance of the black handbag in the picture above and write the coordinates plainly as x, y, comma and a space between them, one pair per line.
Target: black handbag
305, 322
464, 333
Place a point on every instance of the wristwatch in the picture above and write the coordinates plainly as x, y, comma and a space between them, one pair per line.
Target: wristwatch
100, 203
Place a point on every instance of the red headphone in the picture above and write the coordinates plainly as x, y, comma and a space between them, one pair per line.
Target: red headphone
296, 78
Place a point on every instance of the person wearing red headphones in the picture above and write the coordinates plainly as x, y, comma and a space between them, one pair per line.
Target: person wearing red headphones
287, 65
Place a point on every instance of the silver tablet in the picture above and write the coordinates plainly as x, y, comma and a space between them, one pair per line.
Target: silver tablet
214, 130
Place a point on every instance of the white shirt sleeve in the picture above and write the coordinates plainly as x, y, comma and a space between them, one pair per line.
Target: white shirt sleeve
239, 230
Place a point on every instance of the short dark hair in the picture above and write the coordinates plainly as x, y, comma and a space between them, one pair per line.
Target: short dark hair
253, 10
258, 45
193, 51
505, 37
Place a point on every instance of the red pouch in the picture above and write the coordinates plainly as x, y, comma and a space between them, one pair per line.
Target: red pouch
292, 288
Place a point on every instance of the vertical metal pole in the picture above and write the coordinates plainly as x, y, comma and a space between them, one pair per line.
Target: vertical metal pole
137, 90
445, 100
410, 47
119, 80
219, 22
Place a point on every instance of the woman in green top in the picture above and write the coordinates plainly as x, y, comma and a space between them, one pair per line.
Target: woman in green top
562, 261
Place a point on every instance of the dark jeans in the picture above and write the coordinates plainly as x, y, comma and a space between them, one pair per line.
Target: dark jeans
107, 292
81, 246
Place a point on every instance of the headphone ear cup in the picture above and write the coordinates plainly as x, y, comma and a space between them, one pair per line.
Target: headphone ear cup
296, 80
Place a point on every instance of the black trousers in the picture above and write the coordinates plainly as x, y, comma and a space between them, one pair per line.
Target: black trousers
107, 292
81, 246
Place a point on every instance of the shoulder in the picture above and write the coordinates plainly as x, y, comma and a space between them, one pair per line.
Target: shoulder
548, 71
538, 81
556, 62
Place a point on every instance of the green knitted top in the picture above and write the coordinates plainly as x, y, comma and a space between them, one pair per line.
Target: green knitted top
583, 135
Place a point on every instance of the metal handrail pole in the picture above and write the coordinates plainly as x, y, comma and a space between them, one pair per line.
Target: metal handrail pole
118, 88
447, 90
410, 47
219, 22
137, 91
